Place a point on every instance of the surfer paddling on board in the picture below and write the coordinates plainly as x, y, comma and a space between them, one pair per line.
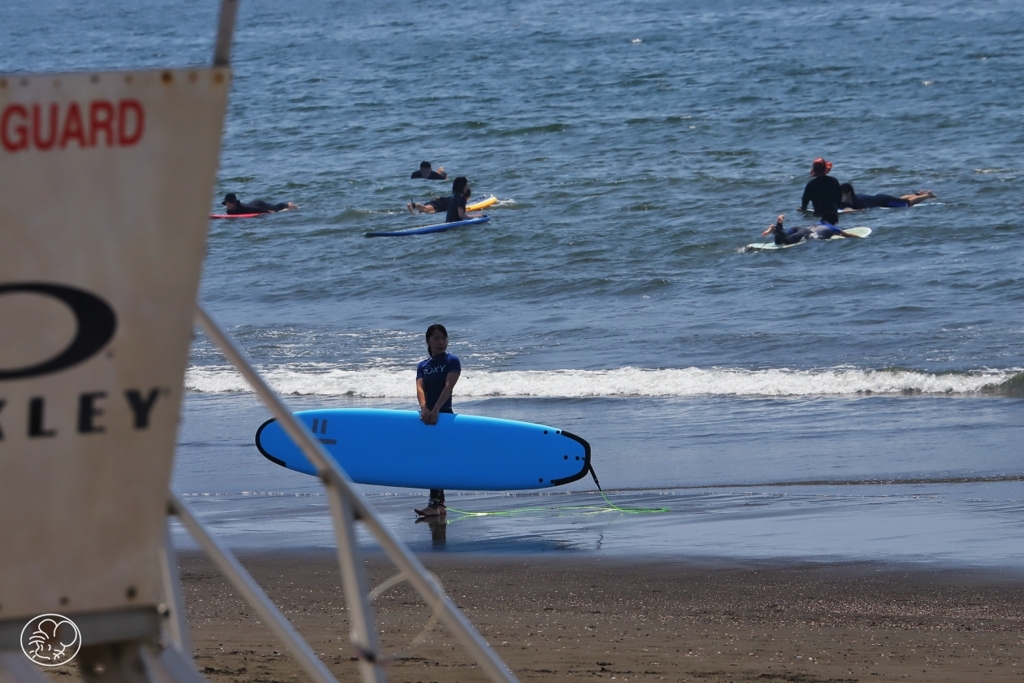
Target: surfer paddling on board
435, 381
428, 173
858, 202
821, 231
436, 205
236, 207
822, 192
457, 202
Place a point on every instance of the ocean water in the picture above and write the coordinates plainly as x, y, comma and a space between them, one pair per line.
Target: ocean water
856, 399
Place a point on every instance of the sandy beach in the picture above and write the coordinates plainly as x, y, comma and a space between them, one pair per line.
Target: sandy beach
556, 618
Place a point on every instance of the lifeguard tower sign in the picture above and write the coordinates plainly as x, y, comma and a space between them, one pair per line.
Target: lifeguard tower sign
105, 187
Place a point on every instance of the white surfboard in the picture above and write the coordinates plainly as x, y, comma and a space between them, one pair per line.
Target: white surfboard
860, 231
810, 212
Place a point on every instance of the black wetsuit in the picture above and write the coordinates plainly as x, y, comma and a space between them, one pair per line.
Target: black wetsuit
440, 204
434, 175
823, 193
258, 206
455, 202
869, 201
797, 235
791, 236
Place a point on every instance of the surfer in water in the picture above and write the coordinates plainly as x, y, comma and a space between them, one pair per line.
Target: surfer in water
435, 205
457, 202
236, 207
858, 202
428, 173
821, 231
435, 381
822, 192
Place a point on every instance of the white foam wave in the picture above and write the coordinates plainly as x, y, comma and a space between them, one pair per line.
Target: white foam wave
323, 380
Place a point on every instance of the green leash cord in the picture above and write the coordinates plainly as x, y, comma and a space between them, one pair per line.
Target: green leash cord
594, 509
632, 511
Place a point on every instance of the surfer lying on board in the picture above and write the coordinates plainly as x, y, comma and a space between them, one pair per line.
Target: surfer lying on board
429, 174
858, 202
436, 205
236, 207
821, 231
435, 381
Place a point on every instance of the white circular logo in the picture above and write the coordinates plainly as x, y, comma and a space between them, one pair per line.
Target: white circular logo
51, 640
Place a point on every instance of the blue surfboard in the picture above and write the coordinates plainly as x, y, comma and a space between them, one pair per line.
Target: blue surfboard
440, 227
468, 452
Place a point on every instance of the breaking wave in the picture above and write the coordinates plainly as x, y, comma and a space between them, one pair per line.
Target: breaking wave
324, 380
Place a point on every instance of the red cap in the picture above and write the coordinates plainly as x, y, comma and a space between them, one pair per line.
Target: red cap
821, 167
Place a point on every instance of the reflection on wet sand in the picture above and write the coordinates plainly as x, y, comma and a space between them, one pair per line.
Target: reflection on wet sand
438, 529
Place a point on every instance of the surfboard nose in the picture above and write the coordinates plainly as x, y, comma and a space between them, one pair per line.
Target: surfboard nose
585, 464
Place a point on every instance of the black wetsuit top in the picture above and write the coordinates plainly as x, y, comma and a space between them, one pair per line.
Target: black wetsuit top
257, 206
434, 175
792, 236
823, 193
454, 203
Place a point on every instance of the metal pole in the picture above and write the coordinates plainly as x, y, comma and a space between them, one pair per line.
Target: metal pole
225, 32
362, 624
251, 592
172, 595
15, 667
332, 474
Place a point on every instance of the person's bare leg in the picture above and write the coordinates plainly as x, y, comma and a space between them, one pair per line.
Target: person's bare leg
918, 197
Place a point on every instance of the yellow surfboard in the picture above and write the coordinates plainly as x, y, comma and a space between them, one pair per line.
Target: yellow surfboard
482, 204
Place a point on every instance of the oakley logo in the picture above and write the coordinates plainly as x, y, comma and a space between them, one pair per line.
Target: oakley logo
95, 323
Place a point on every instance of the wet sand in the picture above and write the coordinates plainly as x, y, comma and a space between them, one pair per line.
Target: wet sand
558, 618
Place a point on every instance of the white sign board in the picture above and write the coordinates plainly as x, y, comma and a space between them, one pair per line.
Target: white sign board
105, 188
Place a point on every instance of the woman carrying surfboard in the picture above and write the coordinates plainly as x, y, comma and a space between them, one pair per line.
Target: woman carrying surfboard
435, 380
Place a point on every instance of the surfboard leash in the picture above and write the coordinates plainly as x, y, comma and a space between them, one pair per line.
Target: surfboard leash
593, 508
629, 510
